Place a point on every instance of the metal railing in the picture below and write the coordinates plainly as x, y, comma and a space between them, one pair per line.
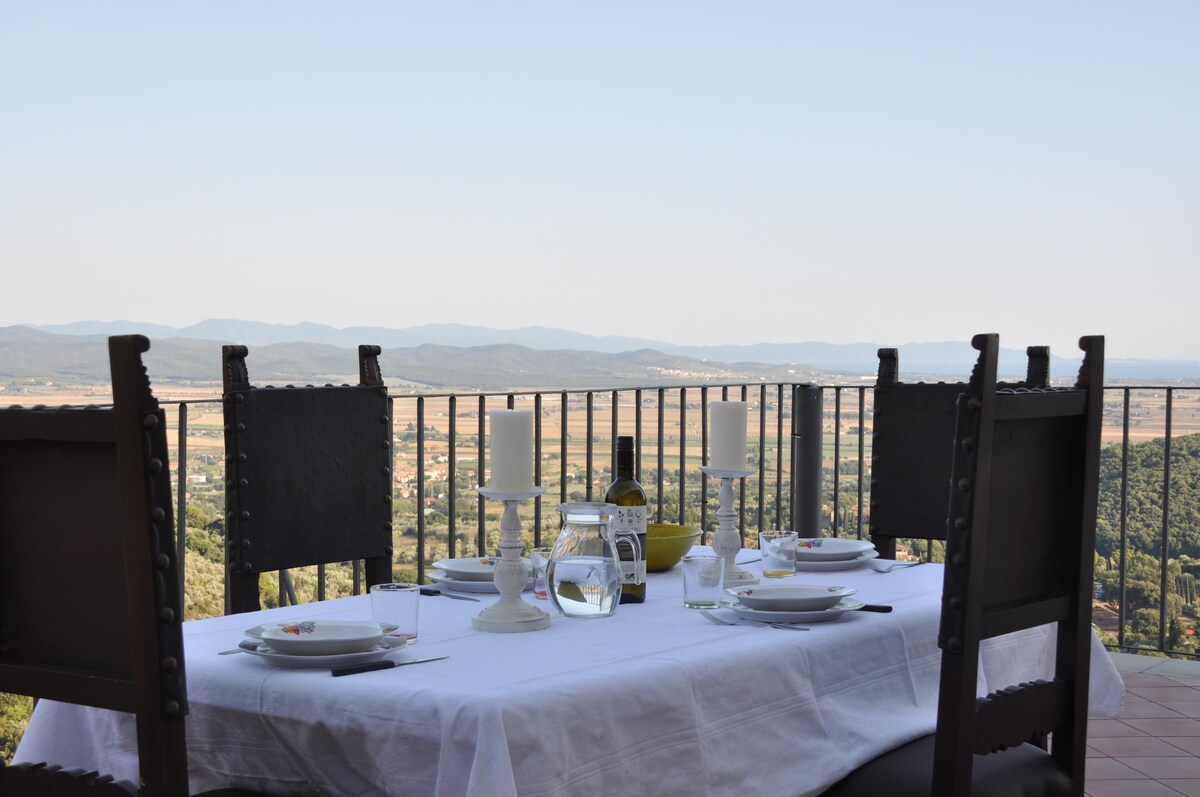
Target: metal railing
809, 446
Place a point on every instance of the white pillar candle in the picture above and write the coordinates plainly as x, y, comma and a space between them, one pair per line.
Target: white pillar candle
512, 451
727, 446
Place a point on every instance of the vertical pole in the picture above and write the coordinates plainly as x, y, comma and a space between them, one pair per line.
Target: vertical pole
806, 460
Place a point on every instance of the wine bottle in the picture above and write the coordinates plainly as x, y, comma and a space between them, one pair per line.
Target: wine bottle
630, 500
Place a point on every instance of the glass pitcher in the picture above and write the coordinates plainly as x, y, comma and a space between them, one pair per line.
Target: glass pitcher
584, 574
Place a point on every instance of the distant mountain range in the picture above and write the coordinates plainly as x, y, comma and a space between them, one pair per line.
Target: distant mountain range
443, 355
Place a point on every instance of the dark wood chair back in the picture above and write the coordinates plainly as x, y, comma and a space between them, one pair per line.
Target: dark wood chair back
911, 448
308, 476
90, 597
1022, 527
1022, 520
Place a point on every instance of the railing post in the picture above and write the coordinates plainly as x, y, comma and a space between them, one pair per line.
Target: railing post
806, 460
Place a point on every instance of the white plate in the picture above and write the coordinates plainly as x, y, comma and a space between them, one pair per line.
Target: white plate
830, 549
322, 637
470, 586
479, 568
277, 659
257, 631
789, 597
843, 606
845, 564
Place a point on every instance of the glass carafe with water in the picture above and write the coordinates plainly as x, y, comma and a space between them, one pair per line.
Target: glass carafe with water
584, 574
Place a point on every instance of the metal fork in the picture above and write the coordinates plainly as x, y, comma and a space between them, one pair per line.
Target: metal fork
781, 626
878, 568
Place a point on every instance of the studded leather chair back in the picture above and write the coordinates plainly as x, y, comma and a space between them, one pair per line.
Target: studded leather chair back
90, 594
308, 476
911, 450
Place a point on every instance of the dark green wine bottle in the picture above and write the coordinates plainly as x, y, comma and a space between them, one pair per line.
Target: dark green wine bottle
630, 518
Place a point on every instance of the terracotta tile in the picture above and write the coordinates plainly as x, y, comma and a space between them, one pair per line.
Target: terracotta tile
1109, 769
1146, 710
1189, 788
1141, 746
1185, 680
1186, 709
1091, 752
1147, 679
1129, 788
1189, 744
1177, 694
1162, 767
1098, 729
1166, 727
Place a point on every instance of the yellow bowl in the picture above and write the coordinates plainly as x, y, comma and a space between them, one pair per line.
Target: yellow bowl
666, 543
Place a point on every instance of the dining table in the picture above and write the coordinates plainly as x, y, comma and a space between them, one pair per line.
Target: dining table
654, 700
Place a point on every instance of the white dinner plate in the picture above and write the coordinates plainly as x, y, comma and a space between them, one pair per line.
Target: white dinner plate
789, 597
830, 549
273, 657
479, 568
843, 606
322, 637
470, 586
257, 631
843, 564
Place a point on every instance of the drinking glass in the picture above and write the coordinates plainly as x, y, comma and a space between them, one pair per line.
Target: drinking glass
397, 605
703, 581
539, 558
778, 553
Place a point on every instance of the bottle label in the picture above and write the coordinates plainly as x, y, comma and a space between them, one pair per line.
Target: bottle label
631, 520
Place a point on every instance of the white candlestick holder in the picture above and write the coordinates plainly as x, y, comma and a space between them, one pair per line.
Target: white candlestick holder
727, 542
510, 614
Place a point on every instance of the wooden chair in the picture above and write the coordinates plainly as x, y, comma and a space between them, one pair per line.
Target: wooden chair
90, 597
1022, 509
911, 447
308, 477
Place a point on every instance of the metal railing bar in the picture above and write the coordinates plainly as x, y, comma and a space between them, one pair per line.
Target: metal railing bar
480, 502
658, 479
591, 442
682, 454
421, 490
452, 470
837, 459
762, 452
779, 458
742, 494
637, 434
1166, 526
537, 469
181, 495
1121, 609
562, 459
703, 461
862, 455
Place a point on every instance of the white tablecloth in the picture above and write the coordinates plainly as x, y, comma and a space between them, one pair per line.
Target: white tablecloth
655, 700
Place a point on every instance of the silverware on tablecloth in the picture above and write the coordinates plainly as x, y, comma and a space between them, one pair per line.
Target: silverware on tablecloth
431, 591
743, 621
243, 646
385, 664
880, 567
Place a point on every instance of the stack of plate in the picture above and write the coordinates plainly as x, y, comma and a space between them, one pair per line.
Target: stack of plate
473, 575
322, 643
832, 553
791, 603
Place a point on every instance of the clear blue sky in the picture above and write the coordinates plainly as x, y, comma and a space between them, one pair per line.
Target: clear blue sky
694, 172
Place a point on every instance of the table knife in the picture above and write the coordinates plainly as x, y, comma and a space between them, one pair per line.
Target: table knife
432, 591
386, 664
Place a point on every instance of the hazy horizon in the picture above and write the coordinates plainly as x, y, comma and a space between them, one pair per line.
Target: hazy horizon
693, 172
